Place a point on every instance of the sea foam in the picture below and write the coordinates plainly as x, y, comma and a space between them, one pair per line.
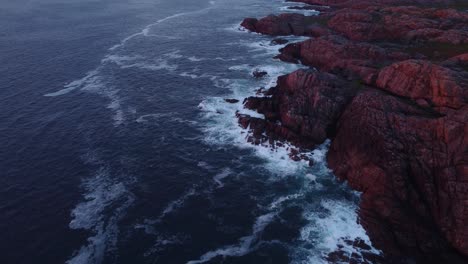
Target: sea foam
101, 193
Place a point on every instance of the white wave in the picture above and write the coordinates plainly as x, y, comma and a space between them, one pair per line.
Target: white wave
242, 67
277, 159
331, 231
189, 75
102, 194
164, 36
61, 92
114, 105
120, 60
148, 225
195, 59
311, 177
122, 43
90, 79
173, 54
229, 59
251, 113
264, 48
176, 204
273, 71
205, 165
209, 107
246, 244
306, 12
96, 81
171, 116
218, 178
126, 62
237, 28
223, 128
146, 31
93, 81
144, 118
279, 201
319, 156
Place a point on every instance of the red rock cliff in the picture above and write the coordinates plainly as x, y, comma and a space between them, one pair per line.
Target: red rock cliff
390, 87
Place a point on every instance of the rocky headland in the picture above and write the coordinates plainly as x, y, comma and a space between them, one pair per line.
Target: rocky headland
388, 84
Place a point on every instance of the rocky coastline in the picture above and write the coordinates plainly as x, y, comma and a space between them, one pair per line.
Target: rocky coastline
388, 84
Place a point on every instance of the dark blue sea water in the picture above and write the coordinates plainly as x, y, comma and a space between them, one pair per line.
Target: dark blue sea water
117, 145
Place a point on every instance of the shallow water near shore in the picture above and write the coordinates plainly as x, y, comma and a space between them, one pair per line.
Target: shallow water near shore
119, 146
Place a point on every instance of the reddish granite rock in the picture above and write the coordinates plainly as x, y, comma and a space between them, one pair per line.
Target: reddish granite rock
304, 107
411, 165
409, 23
282, 25
373, 21
366, 3
250, 23
337, 54
285, 24
402, 140
290, 53
423, 81
460, 61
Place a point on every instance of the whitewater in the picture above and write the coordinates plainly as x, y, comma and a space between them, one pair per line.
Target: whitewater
164, 173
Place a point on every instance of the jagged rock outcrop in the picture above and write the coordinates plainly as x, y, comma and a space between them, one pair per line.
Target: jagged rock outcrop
283, 24
304, 107
337, 54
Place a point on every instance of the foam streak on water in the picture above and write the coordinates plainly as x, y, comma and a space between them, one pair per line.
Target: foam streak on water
102, 194
146, 30
246, 244
100, 82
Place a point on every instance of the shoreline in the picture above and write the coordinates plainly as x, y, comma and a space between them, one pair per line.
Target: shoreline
387, 84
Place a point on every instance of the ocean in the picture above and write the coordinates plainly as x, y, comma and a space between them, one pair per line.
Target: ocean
118, 145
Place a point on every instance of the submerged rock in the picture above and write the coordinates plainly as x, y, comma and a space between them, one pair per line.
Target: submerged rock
231, 101
259, 73
279, 41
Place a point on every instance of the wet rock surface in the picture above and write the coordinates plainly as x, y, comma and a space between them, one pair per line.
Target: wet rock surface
388, 84
259, 73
